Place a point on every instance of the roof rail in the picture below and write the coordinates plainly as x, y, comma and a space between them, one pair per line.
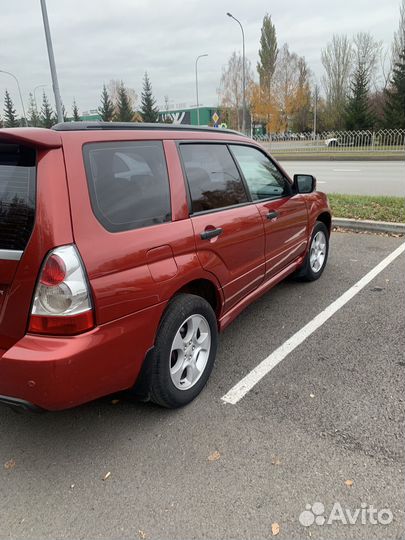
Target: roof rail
84, 126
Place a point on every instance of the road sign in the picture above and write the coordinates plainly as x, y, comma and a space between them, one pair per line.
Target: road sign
215, 117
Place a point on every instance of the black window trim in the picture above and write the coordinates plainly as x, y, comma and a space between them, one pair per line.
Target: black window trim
188, 193
268, 199
91, 188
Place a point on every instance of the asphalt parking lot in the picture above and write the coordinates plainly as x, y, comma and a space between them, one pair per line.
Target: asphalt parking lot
325, 425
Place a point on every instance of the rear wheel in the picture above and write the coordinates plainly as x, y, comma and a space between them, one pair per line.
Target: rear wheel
185, 351
317, 255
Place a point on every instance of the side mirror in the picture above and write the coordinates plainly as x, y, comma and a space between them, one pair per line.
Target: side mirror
304, 183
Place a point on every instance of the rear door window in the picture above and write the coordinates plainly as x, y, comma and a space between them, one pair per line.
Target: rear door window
17, 195
128, 184
213, 178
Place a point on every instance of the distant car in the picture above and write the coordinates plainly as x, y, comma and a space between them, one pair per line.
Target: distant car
126, 248
333, 141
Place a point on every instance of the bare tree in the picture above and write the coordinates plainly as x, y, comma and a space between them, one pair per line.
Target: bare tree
114, 88
398, 44
231, 86
337, 62
367, 52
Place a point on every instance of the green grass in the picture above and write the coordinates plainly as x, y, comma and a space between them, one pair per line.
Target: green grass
368, 207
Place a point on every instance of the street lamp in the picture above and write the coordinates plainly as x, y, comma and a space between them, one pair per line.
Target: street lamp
19, 91
35, 97
196, 86
243, 73
58, 101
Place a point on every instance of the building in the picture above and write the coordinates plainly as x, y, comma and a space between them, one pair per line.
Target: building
190, 116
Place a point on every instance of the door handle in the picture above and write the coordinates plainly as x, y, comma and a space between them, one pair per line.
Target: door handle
272, 214
210, 233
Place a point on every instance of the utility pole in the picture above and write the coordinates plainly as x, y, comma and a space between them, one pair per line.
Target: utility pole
196, 86
315, 110
55, 85
243, 74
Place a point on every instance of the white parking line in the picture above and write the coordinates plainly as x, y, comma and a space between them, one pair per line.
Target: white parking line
240, 389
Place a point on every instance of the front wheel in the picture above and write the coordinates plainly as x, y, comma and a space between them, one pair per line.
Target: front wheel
317, 255
185, 351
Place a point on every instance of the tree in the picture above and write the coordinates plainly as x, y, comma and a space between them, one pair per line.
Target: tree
394, 110
33, 116
75, 111
268, 53
106, 110
231, 88
149, 110
47, 116
358, 115
124, 111
398, 44
366, 52
301, 106
286, 82
10, 115
336, 59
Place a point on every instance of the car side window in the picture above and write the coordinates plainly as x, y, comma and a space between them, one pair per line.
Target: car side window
128, 184
212, 176
263, 178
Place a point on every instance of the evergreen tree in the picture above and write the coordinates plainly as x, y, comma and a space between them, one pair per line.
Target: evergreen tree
358, 113
394, 110
149, 111
10, 116
47, 116
268, 53
33, 116
75, 110
106, 110
124, 111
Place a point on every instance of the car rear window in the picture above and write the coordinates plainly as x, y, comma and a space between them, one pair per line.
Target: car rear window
17, 195
128, 184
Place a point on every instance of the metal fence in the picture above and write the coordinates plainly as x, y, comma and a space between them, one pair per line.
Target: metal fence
383, 140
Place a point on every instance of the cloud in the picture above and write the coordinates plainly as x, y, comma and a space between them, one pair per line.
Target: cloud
98, 40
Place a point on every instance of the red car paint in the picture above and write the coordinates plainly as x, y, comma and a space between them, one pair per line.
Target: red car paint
133, 274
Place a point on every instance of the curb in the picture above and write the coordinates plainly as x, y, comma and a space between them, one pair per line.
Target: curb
370, 226
346, 157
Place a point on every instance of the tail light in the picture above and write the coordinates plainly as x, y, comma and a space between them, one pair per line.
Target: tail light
62, 303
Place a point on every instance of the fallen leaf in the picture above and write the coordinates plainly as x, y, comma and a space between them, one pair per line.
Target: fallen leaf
214, 456
349, 483
141, 534
311, 395
276, 461
106, 476
275, 529
10, 464
115, 401
72, 486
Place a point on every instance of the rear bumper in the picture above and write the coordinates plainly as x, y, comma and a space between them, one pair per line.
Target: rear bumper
55, 373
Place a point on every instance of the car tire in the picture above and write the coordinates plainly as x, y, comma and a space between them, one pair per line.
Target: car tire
184, 352
317, 255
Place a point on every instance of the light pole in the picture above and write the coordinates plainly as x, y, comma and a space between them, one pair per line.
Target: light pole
35, 97
243, 73
196, 86
19, 91
58, 101
315, 109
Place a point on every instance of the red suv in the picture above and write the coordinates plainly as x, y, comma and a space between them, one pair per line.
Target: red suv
126, 248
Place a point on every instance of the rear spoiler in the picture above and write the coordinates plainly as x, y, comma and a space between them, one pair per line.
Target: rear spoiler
38, 137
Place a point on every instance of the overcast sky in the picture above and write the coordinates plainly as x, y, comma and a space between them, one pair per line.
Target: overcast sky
98, 40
